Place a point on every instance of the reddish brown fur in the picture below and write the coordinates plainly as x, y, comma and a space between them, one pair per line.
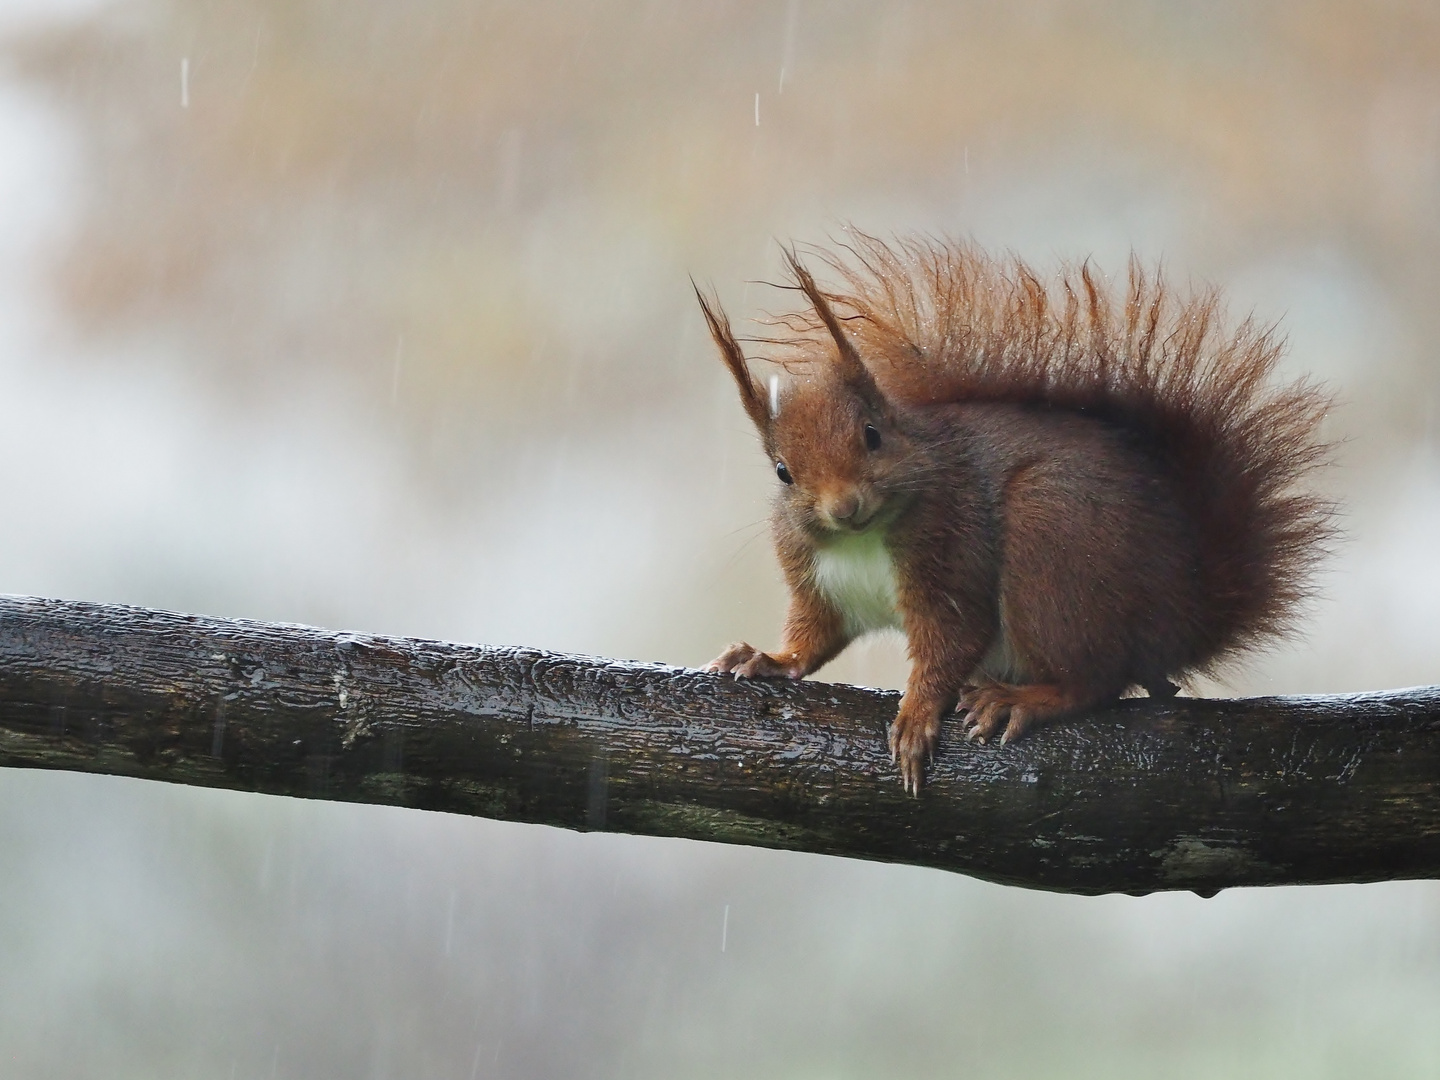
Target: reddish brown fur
1102, 491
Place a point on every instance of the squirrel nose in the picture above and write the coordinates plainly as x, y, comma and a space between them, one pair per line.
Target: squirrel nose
845, 507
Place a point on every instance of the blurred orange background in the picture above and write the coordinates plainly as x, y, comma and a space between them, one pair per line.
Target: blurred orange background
378, 316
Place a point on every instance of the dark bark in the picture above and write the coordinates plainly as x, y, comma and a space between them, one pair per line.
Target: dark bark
1147, 795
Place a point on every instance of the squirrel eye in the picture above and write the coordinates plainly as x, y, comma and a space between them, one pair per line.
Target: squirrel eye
783, 473
872, 437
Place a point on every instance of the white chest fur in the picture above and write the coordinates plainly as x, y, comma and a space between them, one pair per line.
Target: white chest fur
857, 575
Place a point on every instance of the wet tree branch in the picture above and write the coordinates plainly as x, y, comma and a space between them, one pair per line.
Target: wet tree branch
1188, 794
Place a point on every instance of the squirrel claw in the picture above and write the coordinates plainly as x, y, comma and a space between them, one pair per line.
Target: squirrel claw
910, 781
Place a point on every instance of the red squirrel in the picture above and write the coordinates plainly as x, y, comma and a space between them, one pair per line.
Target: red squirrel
1058, 494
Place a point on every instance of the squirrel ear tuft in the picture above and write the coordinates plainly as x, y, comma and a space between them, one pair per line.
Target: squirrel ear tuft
849, 366
751, 394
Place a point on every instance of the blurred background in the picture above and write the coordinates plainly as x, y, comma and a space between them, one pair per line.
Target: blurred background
375, 315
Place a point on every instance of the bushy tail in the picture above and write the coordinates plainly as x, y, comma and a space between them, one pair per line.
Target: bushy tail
941, 321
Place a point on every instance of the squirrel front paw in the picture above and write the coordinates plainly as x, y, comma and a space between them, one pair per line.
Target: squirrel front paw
913, 737
747, 662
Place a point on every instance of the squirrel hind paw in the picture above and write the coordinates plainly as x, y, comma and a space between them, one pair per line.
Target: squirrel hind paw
1011, 711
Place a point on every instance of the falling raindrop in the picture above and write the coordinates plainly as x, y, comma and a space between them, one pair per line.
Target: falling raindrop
395, 374
450, 923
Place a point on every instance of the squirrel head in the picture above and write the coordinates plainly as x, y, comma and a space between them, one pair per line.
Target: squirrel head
836, 443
